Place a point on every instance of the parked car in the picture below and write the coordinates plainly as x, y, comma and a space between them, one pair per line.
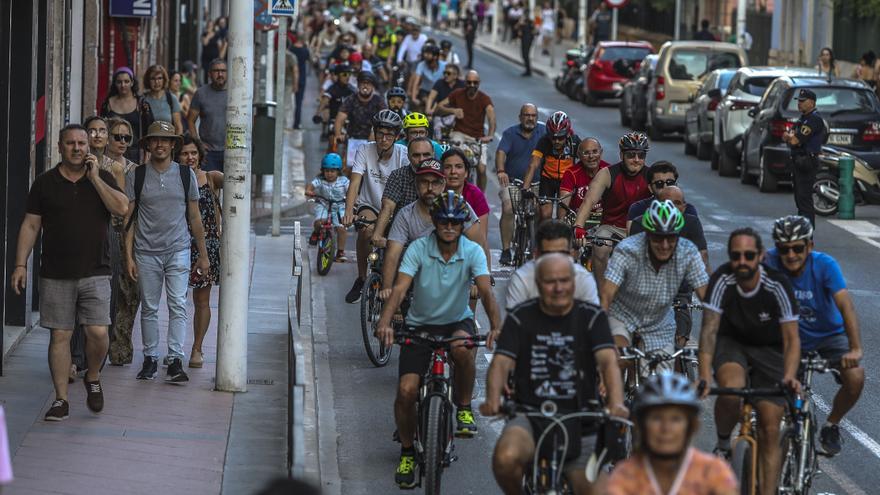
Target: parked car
732, 116
634, 97
699, 120
681, 69
611, 65
849, 107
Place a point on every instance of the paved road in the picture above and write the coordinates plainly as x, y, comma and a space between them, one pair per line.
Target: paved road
363, 395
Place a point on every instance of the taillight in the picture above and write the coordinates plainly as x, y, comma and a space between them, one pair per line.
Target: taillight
713, 104
742, 105
437, 368
872, 132
570, 63
660, 91
779, 127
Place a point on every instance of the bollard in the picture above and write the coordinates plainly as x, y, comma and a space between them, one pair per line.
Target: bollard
846, 205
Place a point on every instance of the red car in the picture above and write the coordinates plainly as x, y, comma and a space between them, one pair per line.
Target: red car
611, 65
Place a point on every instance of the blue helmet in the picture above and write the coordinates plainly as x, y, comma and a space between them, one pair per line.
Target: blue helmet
450, 206
332, 161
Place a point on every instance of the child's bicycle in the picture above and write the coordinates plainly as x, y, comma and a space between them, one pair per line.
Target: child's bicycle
326, 243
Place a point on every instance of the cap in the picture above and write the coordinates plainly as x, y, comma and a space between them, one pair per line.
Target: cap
431, 166
806, 94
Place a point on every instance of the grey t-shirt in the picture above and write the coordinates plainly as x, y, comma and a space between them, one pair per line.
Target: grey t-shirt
409, 225
211, 105
161, 223
160, 108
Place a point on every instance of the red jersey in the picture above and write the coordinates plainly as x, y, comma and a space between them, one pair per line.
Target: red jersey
623, 192
576, 180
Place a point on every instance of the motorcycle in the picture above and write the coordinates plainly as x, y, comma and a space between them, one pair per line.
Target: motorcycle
572, 70
866, 177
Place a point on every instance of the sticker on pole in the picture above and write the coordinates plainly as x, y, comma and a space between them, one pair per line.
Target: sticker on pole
282, 7
235, 137
616, 4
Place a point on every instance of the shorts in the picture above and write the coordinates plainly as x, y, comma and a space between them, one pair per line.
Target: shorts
619, 328
588, 442
832, 347
763, 364
611, 231
464, 138
549, 187
64, 303
417, 358
350, 149
336, 218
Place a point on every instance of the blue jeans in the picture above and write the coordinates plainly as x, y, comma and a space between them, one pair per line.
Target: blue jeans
172, 271
213, 160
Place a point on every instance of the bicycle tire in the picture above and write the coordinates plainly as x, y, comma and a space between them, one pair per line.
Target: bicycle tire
741, 462
519, 252
435, 445
371, 307
324, 260
788, 470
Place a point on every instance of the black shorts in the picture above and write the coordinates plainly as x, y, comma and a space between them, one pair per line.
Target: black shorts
764, 365
832, 347
549, 187
416, 358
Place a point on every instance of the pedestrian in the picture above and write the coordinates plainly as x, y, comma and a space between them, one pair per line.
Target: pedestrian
72, 204
213, 46
704, 34
526, 32
865, 71
190, 78
470, 36
192, 155
301, 51
480, 10
291, 83
163, 104
98, 140
514, 16
548, 28
600, 23
209, 108
125, 290
124, 101
827, 64
805, 140
164, 197
175, 87
490, 15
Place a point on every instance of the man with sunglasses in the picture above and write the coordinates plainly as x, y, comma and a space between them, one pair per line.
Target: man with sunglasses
441, 263
660, 175
442, 88
749, 336
617, 187
828, 322
332, 97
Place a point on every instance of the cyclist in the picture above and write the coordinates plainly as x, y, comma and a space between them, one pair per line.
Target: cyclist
666, 415
372, 164
384, 40
617, 187
553, 155
400, 188
395, 98
553, 236
660, 175
828, 322
750, 335
415, 125
545, 343
511, 162
457, 168
332, 185
358, 110
377, 63
447, 84
427, 73
411, 48
644, 276
447, 54
441, 263
471, 108
334, 95
576, 180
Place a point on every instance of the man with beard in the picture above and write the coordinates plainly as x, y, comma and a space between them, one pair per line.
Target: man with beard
358, 109
442, 88
750, 335
208, 107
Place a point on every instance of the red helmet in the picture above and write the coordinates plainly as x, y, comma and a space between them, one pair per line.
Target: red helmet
559, 125
355, 57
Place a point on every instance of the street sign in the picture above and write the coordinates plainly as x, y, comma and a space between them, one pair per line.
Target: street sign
132, 8
616, 4
282, 7
262, 17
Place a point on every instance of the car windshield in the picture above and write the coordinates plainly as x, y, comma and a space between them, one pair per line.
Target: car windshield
756, 85
624, 52
830, 101
692, 65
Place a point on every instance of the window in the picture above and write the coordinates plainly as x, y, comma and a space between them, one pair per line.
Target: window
691, 65
724, 79
756, 85
832, 101
633, 53
771, 96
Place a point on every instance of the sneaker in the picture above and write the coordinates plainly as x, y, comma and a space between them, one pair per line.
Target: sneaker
94, 396
829, 437
175, 372
166, 361
149, 370
340, 256
506, 258
59, 411
313, 239
467, 427
354, 295
405, 477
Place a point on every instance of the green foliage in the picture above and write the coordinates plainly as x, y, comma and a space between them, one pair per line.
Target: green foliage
667, 5
860, 8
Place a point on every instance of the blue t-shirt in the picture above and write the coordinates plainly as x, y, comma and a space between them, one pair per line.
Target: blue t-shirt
432, 276
814, 290
429, 77
637, 209
519, 149
438, 149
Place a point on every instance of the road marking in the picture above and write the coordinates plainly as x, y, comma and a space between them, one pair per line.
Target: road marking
860, 436
842, 480
711, 227
863, 230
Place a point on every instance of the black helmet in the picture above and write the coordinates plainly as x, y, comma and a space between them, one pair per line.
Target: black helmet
340, 68
395, 91
792, 228
431, 48
450, 206
366, 76
387, 119
665, 389
634, 141
445, 44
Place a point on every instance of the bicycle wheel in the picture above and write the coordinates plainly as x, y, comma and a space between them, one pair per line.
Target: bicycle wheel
435, 436
807, 458
325, 252
741, 462
371, 307
519, 251
788, 474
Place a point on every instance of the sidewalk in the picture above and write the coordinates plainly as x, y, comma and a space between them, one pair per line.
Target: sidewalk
152, 436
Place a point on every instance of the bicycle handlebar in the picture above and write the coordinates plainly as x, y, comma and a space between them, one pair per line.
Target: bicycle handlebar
410, 338
549, 409
779, 391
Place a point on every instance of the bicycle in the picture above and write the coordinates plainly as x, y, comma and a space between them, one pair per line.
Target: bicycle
326, 243
557, 203
371, 304
434, 408
592, 240
524, 214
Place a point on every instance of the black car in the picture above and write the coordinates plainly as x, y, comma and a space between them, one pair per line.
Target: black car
849, 107
633, 101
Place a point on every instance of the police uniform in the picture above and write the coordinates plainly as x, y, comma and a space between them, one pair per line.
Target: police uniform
810, 131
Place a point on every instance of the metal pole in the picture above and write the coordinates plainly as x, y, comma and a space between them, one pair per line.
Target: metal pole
235, 243
582, 22
200, 16
677, 35
741, 7
614, 24
280, 117
496, 19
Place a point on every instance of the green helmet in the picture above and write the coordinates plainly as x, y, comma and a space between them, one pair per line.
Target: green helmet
663, 218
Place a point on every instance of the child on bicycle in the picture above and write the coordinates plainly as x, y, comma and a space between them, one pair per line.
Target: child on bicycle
329, 186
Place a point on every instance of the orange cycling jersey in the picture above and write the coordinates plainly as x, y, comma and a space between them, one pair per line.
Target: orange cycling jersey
700, 474
555, 164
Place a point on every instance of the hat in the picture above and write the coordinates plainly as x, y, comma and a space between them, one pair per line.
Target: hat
806, 94
355, 57
430, 166
160, 129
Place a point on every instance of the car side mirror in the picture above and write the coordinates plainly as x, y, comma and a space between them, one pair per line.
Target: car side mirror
715, 94
753, 112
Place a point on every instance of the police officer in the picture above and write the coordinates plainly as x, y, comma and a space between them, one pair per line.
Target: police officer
805, 139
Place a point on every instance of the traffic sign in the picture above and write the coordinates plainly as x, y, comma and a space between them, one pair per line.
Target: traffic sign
132, 8
282, 7
616, 4
262, 18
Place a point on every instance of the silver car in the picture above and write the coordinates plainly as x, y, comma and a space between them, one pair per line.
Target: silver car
699, 120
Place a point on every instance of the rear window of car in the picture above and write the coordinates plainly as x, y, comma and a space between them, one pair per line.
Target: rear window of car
724, 79
756, 85
624, 52
832, 101
692, 65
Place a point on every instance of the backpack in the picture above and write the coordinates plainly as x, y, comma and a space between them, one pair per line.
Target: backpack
140, 173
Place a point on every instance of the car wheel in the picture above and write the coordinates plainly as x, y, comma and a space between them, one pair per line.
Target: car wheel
745, 177
767, 182
726, 164
704, 150
689, 148
589, 99
654, 132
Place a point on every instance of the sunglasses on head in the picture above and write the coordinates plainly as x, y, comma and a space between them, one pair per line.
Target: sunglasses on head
738, 255
629, 155
122, 138
797, 248
660, 184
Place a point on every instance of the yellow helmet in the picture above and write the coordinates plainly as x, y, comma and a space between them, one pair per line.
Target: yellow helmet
415, 119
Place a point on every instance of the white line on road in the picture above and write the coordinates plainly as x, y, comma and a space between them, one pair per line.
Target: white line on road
862, 437
858, 228
849, 486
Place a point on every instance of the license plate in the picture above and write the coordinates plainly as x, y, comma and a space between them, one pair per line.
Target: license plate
677, 108
842, 139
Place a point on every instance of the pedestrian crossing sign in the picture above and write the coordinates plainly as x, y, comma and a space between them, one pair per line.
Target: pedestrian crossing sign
282, 7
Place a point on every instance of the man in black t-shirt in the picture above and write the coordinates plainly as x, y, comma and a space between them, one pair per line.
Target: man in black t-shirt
553, 345
750, 337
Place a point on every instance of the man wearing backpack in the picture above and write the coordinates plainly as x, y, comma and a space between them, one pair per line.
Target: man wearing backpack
164, 197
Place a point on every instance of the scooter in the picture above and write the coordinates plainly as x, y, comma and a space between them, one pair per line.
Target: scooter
866, 176
573, 67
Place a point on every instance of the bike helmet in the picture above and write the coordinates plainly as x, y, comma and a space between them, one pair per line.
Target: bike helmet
792, 228
663, 218
665, 389
445, 44
355, 57
340, 68
559, 125
450, 206
396, 91
415, 119
332, 161
431, 48
388, 119
366, 76
634, 141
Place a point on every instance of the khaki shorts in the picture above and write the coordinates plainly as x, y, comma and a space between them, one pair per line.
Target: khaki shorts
464, 138
619, 329
64, 303
605, 230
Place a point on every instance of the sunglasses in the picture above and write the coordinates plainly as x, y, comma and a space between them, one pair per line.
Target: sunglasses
472, 83
629, 155
122, 138
738, 255
449, 73
798, 249
663, 239
448, 221
344, 74
660, 184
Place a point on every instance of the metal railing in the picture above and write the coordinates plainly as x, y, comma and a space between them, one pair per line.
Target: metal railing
295, 366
